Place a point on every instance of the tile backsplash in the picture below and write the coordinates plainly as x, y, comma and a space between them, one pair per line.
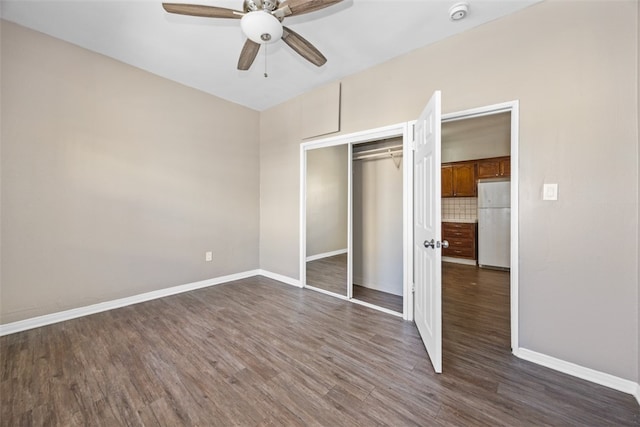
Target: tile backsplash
460, 208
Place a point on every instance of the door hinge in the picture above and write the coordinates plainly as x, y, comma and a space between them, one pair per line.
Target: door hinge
413, 288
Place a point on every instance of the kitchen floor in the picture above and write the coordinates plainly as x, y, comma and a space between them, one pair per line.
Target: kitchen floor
477, 301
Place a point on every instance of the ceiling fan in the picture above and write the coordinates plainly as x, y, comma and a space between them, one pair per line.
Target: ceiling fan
261, 22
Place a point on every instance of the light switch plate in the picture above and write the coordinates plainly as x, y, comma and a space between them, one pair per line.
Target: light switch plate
550, 192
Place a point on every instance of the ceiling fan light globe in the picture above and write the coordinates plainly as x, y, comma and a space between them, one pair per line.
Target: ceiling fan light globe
261, 27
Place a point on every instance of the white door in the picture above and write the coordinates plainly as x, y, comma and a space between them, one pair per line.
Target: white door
427, 231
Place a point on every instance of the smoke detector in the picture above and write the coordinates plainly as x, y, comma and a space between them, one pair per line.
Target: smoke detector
458, 11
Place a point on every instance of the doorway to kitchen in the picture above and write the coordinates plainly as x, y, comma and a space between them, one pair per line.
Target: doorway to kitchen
479, 220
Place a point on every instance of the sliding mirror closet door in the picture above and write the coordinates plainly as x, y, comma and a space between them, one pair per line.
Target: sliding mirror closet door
327, 218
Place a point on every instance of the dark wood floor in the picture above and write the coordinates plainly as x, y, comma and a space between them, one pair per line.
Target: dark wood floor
329, 273
259, 353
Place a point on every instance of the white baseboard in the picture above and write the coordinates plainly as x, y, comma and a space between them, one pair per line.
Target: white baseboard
280, 278
637, 393
588, 374
459, 260
327, 254
376, 307
61, 316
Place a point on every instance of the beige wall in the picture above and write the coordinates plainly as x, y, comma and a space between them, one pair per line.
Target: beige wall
476, 138
327, 199
578, 127
377, 224
114, 181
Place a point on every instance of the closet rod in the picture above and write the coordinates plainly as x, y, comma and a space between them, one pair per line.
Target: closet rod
383, 149
383, 154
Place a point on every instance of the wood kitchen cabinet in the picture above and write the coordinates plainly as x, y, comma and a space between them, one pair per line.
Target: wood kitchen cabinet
459, 179
494, 168
462, 238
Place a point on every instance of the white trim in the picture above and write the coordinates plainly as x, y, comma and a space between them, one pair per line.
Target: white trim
487, 110
280, 278
514, 108
356, 137
572, 369
303, 217
350, 221
459, 260
376, 307
327, 254
353, 300
324, 291
61, 316
637, 393
408, 139
514, 265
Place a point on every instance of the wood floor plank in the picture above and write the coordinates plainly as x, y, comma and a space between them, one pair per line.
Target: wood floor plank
379, 298
258, 353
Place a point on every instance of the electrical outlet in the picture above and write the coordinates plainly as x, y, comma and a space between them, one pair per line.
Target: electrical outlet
208, 256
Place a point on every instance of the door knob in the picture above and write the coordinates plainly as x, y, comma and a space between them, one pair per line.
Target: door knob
433, 244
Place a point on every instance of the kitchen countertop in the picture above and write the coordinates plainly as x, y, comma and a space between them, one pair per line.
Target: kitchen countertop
466, 221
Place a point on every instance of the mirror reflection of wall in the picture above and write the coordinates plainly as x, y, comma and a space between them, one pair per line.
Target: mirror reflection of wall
326, 215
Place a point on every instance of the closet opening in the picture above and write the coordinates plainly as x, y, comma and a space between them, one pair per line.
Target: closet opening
356, 206
377, 223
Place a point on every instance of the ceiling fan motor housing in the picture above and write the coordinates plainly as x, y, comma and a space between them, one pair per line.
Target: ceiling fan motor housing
267, 5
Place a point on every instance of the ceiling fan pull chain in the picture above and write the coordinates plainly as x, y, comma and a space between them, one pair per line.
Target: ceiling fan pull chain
265, 61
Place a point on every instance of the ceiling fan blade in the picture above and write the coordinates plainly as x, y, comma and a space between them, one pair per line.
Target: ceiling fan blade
200, 10
298, 7
248, 54
303, 47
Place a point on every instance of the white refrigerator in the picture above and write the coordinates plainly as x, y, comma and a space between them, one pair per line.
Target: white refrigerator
494, 224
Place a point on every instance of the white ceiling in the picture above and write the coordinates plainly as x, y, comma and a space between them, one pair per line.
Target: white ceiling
203, 52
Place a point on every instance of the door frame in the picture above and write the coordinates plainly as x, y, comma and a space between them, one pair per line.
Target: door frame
514, 108
392, 131
405, 130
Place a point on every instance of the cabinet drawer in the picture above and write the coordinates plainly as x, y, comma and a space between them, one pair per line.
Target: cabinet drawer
459, 252
458, 225
456, 242
457, 233
455, 229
